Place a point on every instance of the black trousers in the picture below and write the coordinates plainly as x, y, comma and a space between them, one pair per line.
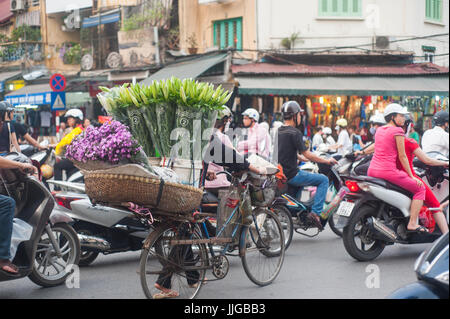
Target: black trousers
63, 165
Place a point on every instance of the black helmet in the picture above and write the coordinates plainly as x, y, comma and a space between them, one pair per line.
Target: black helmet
290, 108
440, 118
6, 106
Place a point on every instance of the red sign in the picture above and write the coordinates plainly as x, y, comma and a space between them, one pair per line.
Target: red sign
104, 119
58, 82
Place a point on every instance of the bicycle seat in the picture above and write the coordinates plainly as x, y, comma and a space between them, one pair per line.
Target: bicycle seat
385, 184
209, 198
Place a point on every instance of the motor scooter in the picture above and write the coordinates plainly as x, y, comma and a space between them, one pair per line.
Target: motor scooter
432, 274
375, 213
53, 248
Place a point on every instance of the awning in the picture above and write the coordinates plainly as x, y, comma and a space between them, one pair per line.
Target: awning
192, 68
35, 94
349, 85
5, 11
105, 18
5, 76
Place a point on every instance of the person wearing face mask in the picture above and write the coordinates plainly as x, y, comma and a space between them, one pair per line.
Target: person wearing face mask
436, 139
390, 145
328, 138
257, 140
412, 149
376, 121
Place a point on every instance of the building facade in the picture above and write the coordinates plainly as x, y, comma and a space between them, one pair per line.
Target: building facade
381, 25
208, 25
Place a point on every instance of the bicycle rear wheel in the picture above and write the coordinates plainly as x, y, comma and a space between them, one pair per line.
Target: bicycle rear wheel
264, 244
164, 262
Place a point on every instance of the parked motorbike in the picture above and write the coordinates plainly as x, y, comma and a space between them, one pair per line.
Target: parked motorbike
376, 213
53, 246
432, 273
103, 229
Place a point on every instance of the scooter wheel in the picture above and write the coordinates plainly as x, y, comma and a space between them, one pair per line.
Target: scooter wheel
49, 269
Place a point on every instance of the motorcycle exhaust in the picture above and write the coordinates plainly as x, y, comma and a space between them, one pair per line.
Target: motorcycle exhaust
93, 243
386, 233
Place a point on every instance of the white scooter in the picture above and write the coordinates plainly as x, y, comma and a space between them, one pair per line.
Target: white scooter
376, 213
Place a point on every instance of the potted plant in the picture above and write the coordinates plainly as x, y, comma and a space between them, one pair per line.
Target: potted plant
193, 46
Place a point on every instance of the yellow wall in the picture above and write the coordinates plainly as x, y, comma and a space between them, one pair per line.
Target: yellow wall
198, 19
53, 37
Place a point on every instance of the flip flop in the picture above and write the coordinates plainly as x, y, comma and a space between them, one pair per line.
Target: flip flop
418, 230
9, 273
166, 294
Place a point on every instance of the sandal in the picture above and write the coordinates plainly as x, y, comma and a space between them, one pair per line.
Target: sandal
12, 271
165, 293
418, 230
316, 220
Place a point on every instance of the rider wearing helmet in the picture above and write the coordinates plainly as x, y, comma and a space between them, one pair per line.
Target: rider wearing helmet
289, 146
8, 139
436, 139
344, 144
75, 121
390, 146
220, 181
257, 140
412, 149
376, 121
22, 132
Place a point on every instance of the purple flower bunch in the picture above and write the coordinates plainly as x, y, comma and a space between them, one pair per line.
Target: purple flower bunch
112, 142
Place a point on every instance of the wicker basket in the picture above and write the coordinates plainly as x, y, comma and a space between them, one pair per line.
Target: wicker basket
118, 188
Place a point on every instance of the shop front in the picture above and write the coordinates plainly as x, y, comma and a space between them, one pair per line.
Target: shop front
354, 94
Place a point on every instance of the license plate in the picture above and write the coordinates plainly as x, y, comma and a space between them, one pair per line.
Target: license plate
345, 209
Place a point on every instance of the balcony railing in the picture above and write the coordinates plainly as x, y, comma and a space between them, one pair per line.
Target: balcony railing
14, 51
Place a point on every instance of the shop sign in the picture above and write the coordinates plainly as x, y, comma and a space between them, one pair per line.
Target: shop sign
30, 99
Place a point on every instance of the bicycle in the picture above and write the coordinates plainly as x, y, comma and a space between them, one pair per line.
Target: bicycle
180, 250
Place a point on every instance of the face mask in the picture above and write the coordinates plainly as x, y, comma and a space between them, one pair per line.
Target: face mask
227, 126
372, 130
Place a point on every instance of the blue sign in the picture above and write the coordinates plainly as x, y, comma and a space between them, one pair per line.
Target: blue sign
30, 99
58, 102
2, 86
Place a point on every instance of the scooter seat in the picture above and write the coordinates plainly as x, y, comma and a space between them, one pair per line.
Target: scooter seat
386, 184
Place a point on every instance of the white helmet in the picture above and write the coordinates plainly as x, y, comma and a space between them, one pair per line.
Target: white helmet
327, 131
377, 119
75, 113
224, 112
252, 113
395, 108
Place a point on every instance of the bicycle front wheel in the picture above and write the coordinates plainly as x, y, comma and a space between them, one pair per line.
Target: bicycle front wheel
167, 263
263, 247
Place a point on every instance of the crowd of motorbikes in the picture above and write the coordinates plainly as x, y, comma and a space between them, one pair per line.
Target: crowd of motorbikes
369, 214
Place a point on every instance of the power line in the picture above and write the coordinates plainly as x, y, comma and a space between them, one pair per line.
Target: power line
358, 46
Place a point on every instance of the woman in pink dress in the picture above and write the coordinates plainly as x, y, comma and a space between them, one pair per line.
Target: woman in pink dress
390, 145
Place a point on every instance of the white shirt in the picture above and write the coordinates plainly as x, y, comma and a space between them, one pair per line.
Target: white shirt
331, 141
436, 140
317, 140
344, 140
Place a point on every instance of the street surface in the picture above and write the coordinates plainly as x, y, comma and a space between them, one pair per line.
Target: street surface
314, 268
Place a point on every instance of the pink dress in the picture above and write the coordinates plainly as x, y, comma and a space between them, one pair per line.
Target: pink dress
221, 180
384, 162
